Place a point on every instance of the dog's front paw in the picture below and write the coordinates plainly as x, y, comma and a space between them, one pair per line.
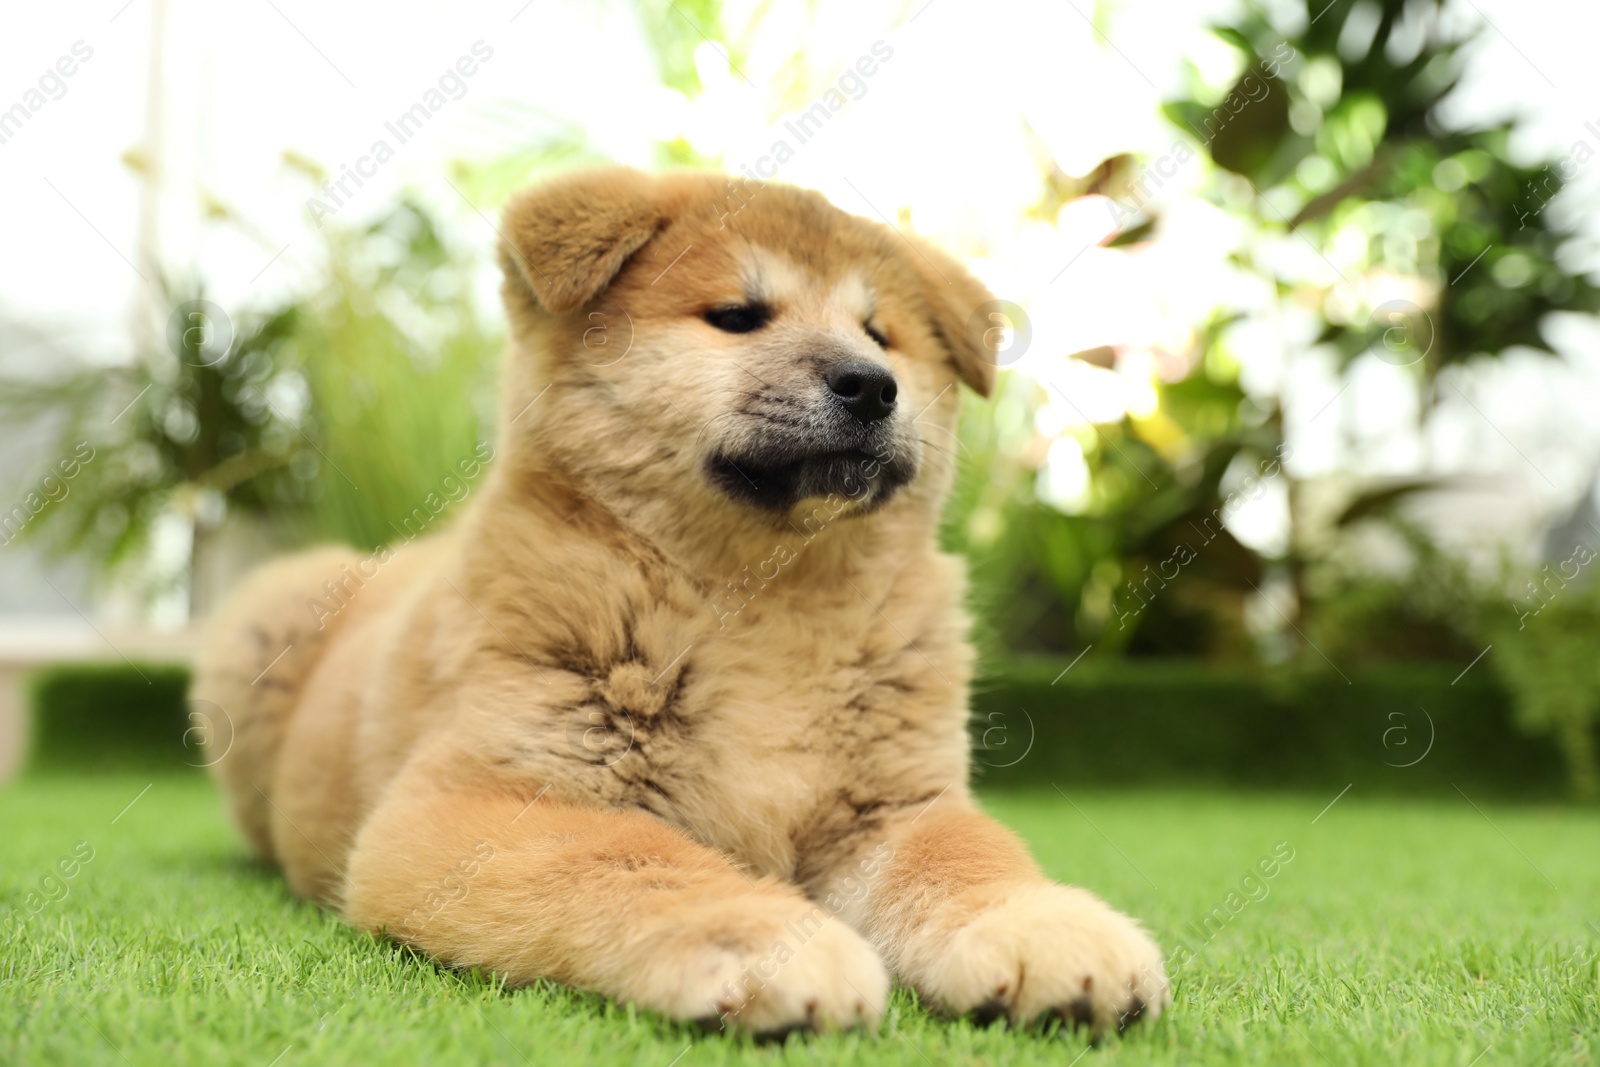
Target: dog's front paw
1035, 953
794, 968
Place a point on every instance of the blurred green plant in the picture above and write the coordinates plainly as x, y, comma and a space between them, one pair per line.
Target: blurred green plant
1544, 646
1340, 134
399, 371
109, 717
1427, 605
1336, 128
1424, 605
1332, 139
173, 430
386, 365
1044, 580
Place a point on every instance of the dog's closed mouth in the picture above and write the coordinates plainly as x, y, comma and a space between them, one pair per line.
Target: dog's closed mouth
778, 480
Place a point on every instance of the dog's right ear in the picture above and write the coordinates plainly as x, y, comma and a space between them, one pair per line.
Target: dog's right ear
562, 242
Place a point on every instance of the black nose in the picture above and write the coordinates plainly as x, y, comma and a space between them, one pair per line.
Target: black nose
865, 389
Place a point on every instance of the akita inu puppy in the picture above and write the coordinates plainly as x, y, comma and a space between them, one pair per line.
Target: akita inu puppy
676, 709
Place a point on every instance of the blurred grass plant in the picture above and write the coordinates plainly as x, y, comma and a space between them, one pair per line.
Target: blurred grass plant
387, 365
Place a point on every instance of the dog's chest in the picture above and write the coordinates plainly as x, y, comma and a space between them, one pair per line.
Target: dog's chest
750, 740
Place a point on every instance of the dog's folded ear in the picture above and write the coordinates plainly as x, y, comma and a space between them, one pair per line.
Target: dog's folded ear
562, 242
957, 310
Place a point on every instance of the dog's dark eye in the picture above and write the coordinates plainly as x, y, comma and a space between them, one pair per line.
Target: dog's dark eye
739, 318
883, 342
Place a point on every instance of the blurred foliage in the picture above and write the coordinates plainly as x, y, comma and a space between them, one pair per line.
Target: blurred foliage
540, 140
1101, 575
385, 365
110, 717
1353, 156
674, 31
1425, 604
1330, 140
1339, 135
1394, 728
400, 376
1544, 650
174, 431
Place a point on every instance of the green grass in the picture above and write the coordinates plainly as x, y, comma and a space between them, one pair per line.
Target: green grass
1400, 932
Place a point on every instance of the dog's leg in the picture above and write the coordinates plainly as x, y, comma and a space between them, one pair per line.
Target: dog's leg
613, 901
962, 914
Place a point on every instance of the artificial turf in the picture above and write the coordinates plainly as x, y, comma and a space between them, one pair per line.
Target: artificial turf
1399, 932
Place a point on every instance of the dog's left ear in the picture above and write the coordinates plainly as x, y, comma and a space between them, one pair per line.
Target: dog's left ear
956, 303
563, 241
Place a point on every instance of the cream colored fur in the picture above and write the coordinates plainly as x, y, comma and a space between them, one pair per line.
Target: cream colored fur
620, 728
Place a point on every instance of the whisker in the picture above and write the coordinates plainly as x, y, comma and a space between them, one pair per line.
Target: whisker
965, 451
